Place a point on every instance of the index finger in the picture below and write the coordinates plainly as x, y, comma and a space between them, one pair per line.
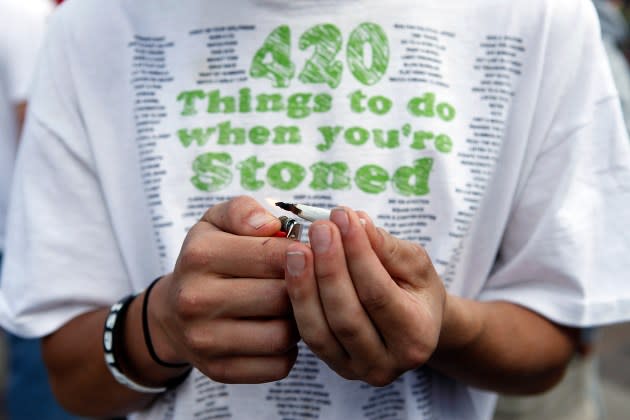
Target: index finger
242, 216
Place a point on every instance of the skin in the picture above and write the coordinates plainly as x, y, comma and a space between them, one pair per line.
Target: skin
369, 305
20, 113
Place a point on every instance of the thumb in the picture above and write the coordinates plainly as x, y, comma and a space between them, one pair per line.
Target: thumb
242, 215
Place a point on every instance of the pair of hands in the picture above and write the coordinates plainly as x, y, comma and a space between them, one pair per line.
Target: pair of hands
239, 300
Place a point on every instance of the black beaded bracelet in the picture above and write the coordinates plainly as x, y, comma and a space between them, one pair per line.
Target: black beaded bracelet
113, 335
147, 333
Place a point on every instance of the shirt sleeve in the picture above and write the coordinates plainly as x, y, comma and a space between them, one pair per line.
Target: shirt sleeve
62, 257
566, 249
565, 253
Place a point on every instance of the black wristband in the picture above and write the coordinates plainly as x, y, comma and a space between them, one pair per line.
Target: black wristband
147, 333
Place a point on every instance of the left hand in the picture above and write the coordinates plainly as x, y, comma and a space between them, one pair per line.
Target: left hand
366, 303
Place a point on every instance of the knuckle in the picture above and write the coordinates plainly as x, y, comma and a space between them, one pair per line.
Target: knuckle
326, 276
374, 302
191, 303
195, 255
236, 204
360, 370
227, 213
211, 344
218, 371
420, 255
193, 341
392, 246
347, 373
186, 303
239, 209
346, 329
419, 251
412, 357
273, 255
207, 344
381, 377
240, 202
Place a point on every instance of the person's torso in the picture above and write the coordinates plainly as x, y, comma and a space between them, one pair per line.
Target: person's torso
407, 110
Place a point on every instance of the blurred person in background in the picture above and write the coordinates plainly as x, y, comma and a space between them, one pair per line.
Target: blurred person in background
22, 27
616, 37
157, 129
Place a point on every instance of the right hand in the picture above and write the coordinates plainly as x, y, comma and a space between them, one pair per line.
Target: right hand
225, 307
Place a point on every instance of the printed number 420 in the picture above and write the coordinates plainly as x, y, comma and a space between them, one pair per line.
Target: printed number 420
367, 55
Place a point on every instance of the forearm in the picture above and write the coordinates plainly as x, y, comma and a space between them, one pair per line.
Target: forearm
79, 376
502, 347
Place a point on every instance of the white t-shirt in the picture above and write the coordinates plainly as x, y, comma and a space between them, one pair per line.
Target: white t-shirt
21, 29
487, 131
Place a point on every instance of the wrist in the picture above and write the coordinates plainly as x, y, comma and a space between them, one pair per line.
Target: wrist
136, 361
146, 331
461, 324
155, 316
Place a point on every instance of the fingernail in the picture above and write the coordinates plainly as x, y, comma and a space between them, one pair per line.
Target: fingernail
320, 238
258, 220
364, 219
295, 262
340, 218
